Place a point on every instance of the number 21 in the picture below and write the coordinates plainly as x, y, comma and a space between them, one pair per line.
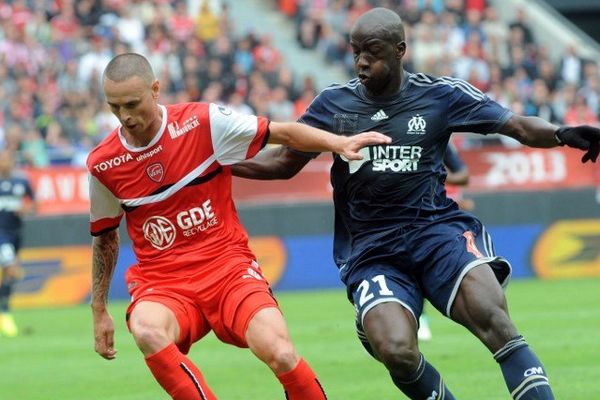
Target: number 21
364, 286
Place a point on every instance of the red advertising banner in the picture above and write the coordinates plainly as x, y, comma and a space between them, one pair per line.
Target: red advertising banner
64, 190
60, 190
527, 169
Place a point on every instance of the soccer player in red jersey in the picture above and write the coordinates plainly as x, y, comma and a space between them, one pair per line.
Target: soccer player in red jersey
167, 169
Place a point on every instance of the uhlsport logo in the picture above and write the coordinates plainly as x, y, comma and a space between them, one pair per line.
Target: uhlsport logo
155, 172
416, 125
159, 231
388, 158
175, 131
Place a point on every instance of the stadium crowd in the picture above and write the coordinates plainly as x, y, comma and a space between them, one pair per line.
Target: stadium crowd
465, 39
52, 53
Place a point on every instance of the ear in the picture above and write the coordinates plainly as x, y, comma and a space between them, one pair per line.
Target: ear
155, 89
400, 50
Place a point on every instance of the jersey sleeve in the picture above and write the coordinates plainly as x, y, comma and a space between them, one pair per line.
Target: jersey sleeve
452, 159
105, 208
469, 110
236, 137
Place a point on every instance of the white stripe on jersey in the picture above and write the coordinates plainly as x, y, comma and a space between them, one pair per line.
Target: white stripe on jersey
231, 133
423, 80
103, 203
173, 189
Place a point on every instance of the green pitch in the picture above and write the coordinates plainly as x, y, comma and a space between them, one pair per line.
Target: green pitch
54, 359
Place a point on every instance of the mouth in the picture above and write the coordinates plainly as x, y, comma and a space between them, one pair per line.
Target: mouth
364, 78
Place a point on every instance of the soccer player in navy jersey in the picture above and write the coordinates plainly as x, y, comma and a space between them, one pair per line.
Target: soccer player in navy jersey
398, 238
16, 200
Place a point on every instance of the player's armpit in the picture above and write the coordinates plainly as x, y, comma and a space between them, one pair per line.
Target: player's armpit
279, 162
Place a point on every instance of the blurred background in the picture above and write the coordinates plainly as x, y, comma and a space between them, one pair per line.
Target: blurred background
271, 58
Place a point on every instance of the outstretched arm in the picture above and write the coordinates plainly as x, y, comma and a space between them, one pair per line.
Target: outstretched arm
272, 163
105, 250
536, 132
306, 138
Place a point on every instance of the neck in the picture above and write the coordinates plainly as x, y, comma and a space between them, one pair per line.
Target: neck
143, 139
391, 88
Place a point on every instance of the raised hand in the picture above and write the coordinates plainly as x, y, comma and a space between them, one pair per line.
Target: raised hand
583, 137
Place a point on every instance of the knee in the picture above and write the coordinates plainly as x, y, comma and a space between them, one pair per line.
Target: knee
149, 337
399, 356
282, 357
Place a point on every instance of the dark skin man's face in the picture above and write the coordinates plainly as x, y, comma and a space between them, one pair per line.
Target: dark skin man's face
377, 60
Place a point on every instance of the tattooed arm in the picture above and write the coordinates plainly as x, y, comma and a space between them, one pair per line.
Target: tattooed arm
105, 250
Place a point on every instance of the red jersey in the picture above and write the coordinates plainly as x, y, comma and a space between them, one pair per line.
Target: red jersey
176, 191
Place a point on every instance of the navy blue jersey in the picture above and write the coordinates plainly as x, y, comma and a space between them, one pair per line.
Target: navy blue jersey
402, 183
13, 191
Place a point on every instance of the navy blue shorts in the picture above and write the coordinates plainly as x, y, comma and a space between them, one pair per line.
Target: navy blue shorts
429, 262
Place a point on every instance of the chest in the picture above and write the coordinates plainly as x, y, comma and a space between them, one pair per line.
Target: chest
406, 124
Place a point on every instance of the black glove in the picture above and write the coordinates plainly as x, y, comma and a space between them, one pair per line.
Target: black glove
583, 137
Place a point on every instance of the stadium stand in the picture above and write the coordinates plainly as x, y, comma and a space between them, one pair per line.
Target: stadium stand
466, 39
53, 51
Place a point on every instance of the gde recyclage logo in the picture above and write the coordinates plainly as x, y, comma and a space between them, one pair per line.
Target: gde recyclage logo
159, 231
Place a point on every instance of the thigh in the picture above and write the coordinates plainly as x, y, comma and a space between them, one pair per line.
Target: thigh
480, 306
245, 293
388, 304
9, 247
387, 324
167, 306
446, 251
381, 283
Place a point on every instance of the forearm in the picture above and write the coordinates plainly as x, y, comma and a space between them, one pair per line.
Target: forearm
459, 178
271, 163
303, 137
105, 250
531, 131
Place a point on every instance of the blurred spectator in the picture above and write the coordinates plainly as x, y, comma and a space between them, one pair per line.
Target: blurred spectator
571, 66
580, 113
52, 54
280, 108
539, 103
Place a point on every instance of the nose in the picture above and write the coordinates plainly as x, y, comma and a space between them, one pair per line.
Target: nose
362, 62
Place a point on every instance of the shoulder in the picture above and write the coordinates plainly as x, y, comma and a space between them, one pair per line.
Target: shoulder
105, 149
182, 111
336, 93
444, 85
334, 90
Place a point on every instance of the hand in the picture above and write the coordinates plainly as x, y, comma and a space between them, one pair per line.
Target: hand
104, 333
352, 144
583, 137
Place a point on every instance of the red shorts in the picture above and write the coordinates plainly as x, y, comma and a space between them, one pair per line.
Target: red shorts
225, 305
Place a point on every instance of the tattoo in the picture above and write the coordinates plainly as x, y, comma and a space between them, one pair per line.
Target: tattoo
105, 250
